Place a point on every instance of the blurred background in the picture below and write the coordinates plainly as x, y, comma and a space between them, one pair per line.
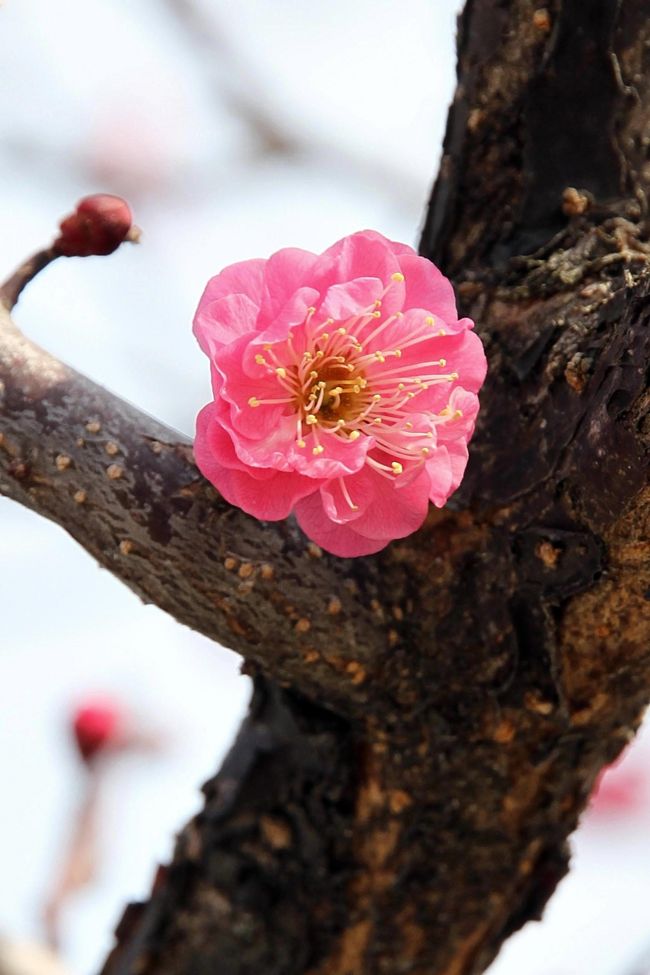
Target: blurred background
234, 129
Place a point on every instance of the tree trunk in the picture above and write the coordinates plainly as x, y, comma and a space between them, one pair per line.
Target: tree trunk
427, 723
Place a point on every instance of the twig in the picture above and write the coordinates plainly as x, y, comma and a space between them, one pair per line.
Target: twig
12, 288
79, 865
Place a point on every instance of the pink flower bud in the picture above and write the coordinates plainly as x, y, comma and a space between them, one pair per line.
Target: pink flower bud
99, 225
96, 727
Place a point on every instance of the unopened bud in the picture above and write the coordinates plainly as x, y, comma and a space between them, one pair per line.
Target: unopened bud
99, 225
96, 727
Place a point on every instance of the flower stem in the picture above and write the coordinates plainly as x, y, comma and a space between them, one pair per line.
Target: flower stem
12, 288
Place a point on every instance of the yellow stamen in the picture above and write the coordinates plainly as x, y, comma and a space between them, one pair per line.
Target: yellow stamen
398, 276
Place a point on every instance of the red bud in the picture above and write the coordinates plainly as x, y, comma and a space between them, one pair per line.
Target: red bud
99, 225
96, 726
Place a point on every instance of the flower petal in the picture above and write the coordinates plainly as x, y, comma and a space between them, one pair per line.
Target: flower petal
238, 387
361, 255
290, 315
342, 301
458, 456
427, 287
267, 494
390, 511
284, 273
218, 323
339, 458
441, 481
243, 278
340, 540
463, 407
398, 371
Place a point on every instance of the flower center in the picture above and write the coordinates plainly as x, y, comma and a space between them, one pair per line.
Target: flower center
336, 393
344, 385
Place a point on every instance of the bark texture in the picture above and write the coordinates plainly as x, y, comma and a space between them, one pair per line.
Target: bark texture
427, 723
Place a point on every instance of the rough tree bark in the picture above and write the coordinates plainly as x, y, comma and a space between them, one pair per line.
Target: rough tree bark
427, 723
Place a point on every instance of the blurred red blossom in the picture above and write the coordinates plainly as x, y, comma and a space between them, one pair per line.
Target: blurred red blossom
97, 725
619, 789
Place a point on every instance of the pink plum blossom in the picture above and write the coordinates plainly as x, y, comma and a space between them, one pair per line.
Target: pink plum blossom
345, 390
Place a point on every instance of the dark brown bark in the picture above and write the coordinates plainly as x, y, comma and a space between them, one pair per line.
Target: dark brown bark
403, 804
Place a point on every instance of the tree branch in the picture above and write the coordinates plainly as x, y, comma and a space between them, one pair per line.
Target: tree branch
547, 101
521, 669
250, 867
127, 489
12, 288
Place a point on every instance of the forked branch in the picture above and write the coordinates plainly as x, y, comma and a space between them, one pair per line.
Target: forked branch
405, 805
